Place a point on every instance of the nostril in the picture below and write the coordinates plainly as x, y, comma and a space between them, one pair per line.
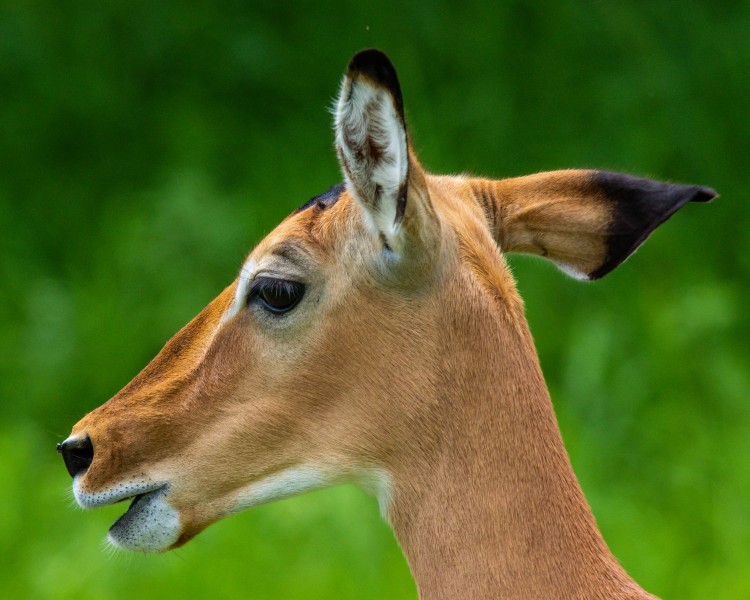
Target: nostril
77, 454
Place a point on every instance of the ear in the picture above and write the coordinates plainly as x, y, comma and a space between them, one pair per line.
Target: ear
381, 170
587, 222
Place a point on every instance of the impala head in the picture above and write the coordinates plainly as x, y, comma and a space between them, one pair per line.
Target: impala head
321, 362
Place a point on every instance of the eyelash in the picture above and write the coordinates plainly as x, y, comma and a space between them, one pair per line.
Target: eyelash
277, 296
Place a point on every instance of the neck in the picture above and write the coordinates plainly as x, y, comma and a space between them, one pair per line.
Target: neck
493, 508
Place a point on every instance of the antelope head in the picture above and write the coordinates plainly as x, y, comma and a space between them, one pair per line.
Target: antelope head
374, 337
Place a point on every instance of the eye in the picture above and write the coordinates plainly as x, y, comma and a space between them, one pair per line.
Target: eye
277, 296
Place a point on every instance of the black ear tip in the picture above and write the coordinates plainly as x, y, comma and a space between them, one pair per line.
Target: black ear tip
703, 194
376, 65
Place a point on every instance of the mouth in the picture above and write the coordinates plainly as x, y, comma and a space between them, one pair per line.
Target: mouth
134, 502
150, 524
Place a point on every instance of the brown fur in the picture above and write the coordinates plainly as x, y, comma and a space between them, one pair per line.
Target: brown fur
440, 387
421, 367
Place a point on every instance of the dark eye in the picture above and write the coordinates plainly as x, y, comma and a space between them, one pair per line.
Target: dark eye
276, 295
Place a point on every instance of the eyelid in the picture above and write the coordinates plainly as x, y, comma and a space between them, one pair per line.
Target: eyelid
261, 284
262, 279
268, 271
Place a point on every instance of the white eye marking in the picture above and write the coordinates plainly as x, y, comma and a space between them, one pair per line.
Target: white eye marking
243, 285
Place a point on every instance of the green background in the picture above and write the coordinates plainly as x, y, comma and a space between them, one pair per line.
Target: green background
145, 147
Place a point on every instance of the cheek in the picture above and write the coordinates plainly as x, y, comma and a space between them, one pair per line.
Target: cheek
249, 440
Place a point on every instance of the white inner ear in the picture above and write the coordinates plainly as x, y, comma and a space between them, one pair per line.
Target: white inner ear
571, 272
371, 141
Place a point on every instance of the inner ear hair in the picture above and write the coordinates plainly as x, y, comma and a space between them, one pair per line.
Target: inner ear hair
371, 140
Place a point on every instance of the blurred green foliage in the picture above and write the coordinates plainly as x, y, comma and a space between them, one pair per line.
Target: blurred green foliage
146, 146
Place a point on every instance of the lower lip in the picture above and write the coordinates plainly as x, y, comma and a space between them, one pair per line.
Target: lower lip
135, 500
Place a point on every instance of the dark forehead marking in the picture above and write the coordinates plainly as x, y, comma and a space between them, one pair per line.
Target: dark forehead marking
324, 200
292, 252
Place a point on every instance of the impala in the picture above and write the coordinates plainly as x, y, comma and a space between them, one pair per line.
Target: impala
376, 337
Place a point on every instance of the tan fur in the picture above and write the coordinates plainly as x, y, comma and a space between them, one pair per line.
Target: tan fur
441, 388
422, 369
560, 215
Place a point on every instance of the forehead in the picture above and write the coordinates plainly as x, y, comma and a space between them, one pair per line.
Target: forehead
312, 231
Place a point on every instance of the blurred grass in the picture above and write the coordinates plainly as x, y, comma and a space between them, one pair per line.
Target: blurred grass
145, 147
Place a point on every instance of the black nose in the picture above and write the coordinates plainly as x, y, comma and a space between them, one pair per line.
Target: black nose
77, 455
